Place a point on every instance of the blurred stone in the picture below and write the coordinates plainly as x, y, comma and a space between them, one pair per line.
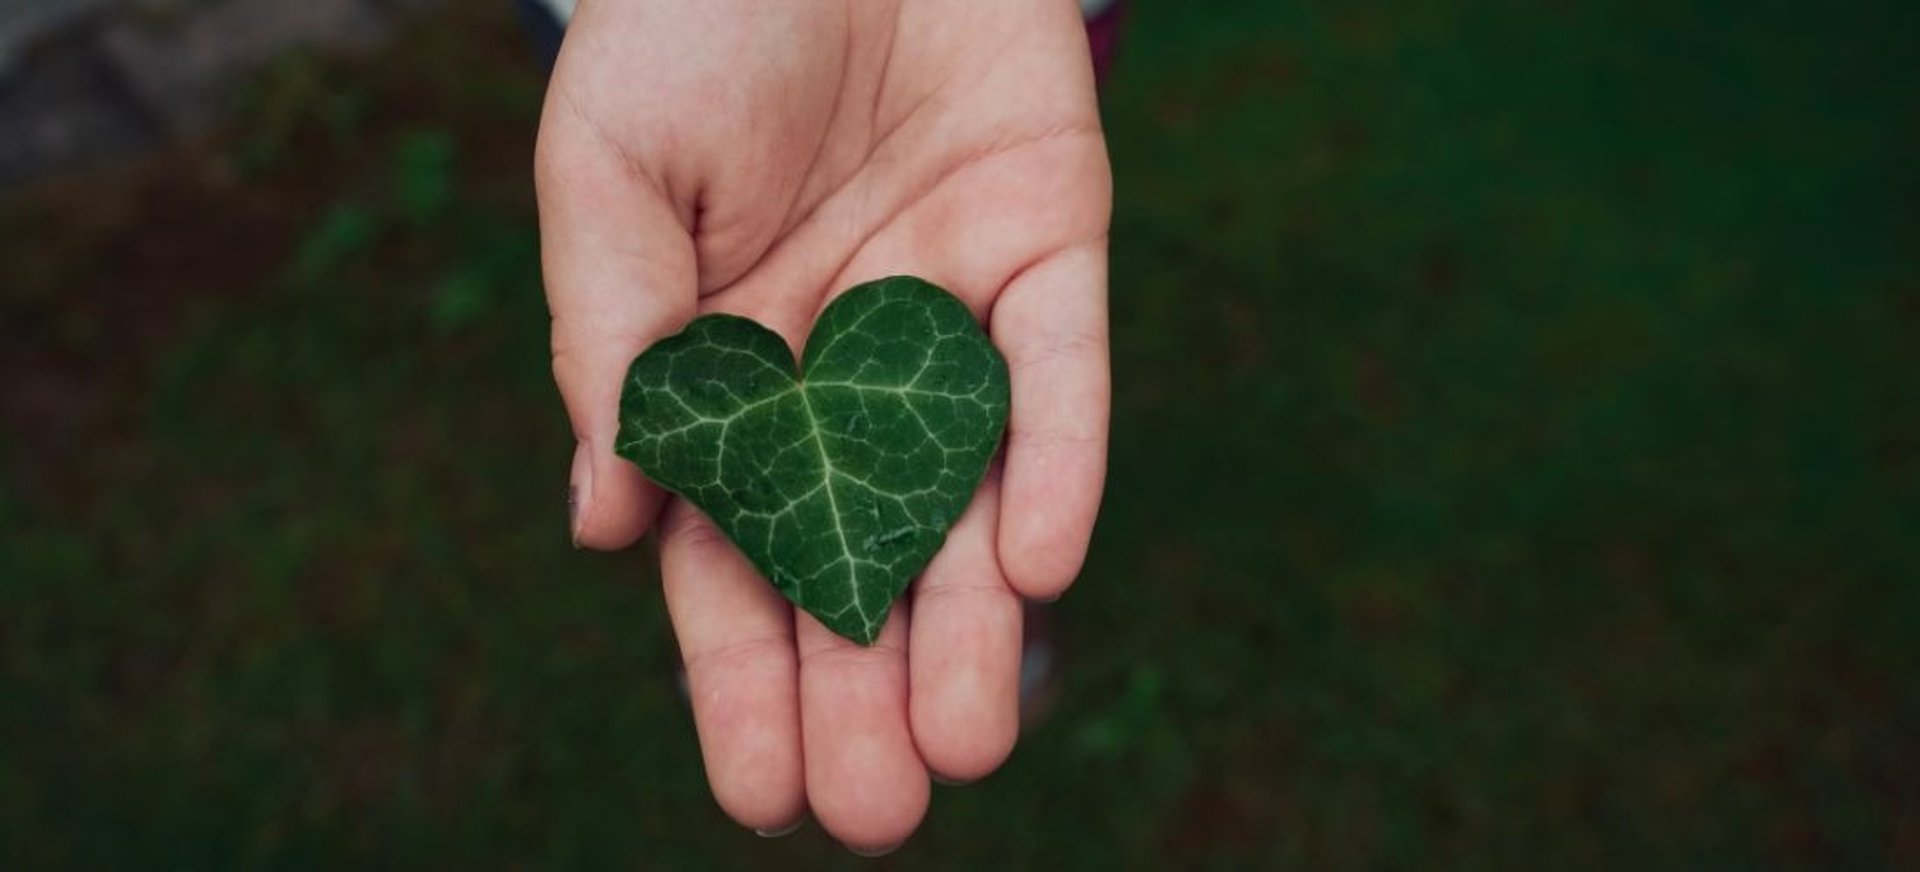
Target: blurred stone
413, 7
65, 112
24, 21
183, 58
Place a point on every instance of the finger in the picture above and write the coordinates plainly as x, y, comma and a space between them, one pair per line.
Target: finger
964, 654
736, 639
865, 781
620, 273
1051, 323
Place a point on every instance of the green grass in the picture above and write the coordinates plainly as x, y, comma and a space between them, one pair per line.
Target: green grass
1516, 463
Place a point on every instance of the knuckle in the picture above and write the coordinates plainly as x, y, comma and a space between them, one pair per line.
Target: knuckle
992, 594
882, 654
729, 654
1039, 564
1054, 437
1059, 346
691, 531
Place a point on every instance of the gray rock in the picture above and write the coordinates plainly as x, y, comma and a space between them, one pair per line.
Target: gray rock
66, 112
24, 21
184, 58
412, 7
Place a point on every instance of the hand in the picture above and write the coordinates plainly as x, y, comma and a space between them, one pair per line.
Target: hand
757, 158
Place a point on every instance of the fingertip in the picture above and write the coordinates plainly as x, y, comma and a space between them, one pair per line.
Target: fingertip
771, 810
749, 738
1041, 550
871, 853
881, 828
965, 745
764, 792
775, 833
752, 759
611, 503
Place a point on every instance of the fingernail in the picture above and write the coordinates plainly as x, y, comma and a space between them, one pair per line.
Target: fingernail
874, 852
774, 834
944, 781
579, 490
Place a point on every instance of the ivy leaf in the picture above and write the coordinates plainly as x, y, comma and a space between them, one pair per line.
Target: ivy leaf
839, 483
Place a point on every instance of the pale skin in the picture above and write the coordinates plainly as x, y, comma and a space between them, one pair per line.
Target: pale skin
758, 158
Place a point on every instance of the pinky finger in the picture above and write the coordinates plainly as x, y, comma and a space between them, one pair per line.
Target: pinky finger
1051, 322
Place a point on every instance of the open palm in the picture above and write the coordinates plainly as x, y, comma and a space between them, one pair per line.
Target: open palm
757, 158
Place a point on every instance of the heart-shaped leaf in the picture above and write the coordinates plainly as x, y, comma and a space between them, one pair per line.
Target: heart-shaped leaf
838, 484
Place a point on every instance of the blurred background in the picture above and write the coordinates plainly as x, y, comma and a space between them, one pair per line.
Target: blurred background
1516, 458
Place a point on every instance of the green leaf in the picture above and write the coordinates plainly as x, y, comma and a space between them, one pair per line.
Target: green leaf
840, 484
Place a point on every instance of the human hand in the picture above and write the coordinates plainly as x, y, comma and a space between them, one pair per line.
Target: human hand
757, 158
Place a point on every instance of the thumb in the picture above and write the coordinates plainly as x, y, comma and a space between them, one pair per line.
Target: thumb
620, 273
